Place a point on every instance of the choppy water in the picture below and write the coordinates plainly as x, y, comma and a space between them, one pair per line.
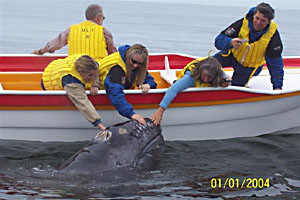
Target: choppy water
186, 169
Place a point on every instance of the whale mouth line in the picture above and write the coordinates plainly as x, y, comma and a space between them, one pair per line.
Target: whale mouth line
148, 147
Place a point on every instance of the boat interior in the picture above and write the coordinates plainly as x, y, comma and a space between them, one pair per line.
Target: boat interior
25, 79
163, 78
32, 80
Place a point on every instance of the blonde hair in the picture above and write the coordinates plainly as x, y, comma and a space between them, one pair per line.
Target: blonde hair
213, 69
140, 50
86, 63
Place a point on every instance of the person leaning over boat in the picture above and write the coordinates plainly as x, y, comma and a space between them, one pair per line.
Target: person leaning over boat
89, 37
250, 42
126, 69
74, 74
202, 72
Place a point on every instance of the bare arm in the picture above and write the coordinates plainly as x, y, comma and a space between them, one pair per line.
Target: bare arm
57, 43
111, 48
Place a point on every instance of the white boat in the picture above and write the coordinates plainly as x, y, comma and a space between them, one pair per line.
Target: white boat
29, 113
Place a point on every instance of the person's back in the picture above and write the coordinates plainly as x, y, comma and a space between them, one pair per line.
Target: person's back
88, 37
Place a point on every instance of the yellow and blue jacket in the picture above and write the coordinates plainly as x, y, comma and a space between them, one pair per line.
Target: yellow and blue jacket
112, 72
261, 47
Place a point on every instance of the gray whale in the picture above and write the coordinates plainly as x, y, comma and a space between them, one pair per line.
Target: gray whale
129, 144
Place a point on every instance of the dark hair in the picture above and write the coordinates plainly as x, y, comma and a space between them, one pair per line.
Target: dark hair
212, 67
266, 10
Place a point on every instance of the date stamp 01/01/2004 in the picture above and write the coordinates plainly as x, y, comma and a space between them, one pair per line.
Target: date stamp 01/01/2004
239, 183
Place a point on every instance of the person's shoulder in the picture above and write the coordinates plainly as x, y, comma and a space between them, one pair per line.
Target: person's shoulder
238, 23
117, 71
117, 75
276, 39
275, 46
76, 24
106, 31
68, 79
233, 30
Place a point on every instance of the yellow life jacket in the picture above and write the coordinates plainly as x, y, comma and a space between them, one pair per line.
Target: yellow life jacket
253, 54
191, 66
87, 38
107, 63
57, 69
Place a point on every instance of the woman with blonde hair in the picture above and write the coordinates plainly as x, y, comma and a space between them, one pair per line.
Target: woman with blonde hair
126, 69
202, 72
75, 74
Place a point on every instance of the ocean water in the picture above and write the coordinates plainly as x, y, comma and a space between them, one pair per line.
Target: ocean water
184, 27
269, 164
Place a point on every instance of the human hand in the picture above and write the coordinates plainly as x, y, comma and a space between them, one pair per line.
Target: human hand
101, 126
94, 90
139, 118
157, 116
236, 42
37, 52
145, 88
226, 82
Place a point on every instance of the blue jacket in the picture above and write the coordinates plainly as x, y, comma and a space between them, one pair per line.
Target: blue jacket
185, 82
114, 89
273, 53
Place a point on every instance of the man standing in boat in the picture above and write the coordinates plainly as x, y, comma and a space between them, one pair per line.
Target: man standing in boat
89, 37
249, 43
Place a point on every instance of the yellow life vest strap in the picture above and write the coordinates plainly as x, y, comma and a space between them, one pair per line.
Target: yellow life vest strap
251, 75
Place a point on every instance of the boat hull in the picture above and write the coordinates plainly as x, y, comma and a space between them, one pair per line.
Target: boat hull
207, 131
221, 121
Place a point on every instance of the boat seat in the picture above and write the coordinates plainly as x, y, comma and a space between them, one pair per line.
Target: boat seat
161, 83
168, 75
21, 81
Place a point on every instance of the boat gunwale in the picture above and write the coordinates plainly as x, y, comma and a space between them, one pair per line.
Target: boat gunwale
150, 54
153, 91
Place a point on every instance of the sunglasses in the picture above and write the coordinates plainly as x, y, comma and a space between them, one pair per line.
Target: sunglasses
136, 62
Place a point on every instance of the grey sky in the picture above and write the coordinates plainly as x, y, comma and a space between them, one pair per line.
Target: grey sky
276, 4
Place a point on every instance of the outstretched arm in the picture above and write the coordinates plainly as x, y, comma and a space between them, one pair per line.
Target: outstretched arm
78, 96
180, 85
59, 42
115, 92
